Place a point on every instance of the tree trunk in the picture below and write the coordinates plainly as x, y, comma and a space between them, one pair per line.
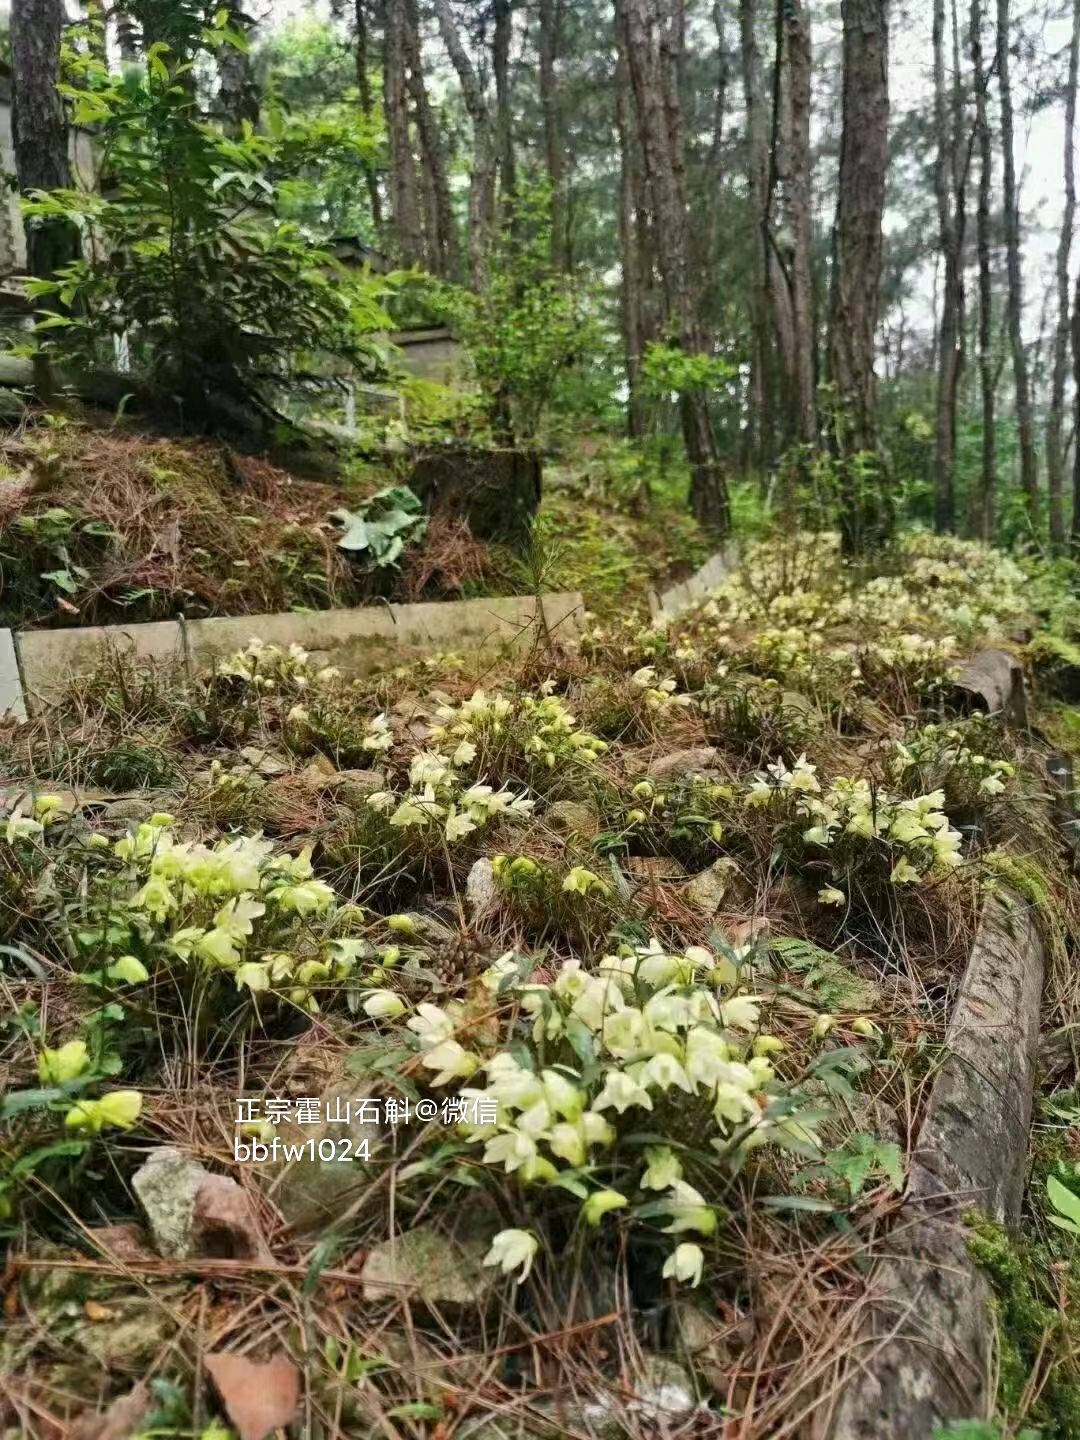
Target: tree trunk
367, 108
1075, 330
716, 165
949, 193
981, 521
651, 33
482, 180
548, 48
1055, 458
790, 241
504, 124
238, 96
442, 247
757, 173
1029, 477
633, 321
864, 161
404, 203
40, 135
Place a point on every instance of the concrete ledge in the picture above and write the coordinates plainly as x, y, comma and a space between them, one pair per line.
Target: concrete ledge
352, 638
11, 695
926, 1355
52, 658
670, 603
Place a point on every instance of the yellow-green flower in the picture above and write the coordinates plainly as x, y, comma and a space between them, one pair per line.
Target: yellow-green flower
119, 1109
55, 1067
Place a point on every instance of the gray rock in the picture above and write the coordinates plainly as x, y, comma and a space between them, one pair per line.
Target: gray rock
352, 787
439, 1269
573, 817
259, 758
706, 891
701, 760
481, 888
698, 1339
663, 1391
12, 407
167, 1185
312, 1194
139, 807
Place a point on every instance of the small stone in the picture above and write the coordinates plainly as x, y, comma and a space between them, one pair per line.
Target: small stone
701, 760
166, 1186
124, 1242
663, 1391
573, 817
12, 407
481, 888
434, 1267
224, 1223
352, 787
699, 1340
707, 890
264, 761
137, 808
312, 1194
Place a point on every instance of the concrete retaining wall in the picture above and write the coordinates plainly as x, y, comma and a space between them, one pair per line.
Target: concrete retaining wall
926, 1356
670, 603
354, 639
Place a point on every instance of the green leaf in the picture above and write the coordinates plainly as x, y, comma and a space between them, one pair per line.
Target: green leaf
1064, 1202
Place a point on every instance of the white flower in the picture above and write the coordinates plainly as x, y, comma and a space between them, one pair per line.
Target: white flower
661, 1072
457, 825
465, 754
620, 1092
741, 1012
511, 1148
663, 1170
513, 1248
685, 1264
688, 1210
451, 1060
431, 1024
383, 1005
831, 896
904, 873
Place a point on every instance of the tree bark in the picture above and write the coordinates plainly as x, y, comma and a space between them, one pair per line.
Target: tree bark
981, 518
367, 108
790, 241
1055, 457
633, 320
1029, 477
550, 23
404, 201
757, 174
40, 135
482, 180
864, 161
652, 33
504, 122
949, 181
442, 247
238, 96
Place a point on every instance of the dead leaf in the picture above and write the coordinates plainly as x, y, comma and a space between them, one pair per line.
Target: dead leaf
258, 1398
66, 606
120, 1421
93, 1311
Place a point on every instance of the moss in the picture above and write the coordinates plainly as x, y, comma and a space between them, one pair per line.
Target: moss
1030, 1328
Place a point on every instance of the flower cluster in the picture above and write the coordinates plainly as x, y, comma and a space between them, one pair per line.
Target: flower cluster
659, 695
939, 755
494, 731
270, 669
650, 1041
914, 835
119, 1109
439, 801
